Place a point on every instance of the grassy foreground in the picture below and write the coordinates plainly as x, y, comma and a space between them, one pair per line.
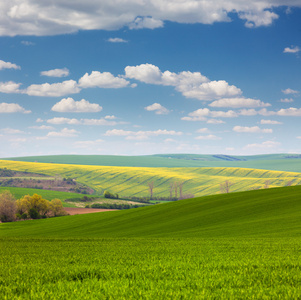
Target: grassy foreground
235, 246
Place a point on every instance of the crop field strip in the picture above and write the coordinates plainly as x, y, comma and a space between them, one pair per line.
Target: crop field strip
133, 181
243, 245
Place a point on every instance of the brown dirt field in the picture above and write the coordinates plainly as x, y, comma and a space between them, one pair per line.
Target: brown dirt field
79, 211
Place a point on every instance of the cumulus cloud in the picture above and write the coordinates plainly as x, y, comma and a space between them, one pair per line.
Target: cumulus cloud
73, 121
202, 114
9, 87
59, 17
27, 43
291, 49
141, 135
42, 127
12, 131
102, 80
203, 130
8, 108
215, 121
53, 90
158, 108
56, 73
208, 137
289, 91
287, 100
70, 105
63, 133
8, 65
190, 84
238, 103
112, 117
263, 145
290, 112
254, 129
270, 122
117, 40
87, 144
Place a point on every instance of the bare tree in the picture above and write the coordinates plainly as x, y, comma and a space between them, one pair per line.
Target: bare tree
267, 184
171, 186
225, 186
176, 189
151, 188
180, 185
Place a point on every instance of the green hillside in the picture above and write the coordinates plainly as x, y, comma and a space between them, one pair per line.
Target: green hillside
265, 213
133, 181
280, 162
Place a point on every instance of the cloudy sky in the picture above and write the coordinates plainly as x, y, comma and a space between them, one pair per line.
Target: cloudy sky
137, 77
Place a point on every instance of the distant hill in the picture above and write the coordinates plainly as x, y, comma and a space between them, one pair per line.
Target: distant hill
280, 162
133, 181
266, 213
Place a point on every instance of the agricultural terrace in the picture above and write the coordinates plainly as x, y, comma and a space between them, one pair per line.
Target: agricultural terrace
133, 181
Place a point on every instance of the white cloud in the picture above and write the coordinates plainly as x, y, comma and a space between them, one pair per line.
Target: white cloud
215, 121
141, 135
289, 91
158, 108
27, 43
208, 137
263, 145
87, 144
290, 112
53, 90
298, 137
18, 140
287, 100
117, 40
202, 114
8, 65
191, 85
62, 120
102, 80
60, 17
42, 127
203, 130
39, 120
271, 122
248, 112
12, 131
73, 121
110, 117
7, 108
291, 49
238, 103
69, 105
9, 87
63, 133
56, 73
254, 129
146, 22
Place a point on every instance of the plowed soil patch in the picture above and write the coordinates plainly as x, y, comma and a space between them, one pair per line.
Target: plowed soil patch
80, 211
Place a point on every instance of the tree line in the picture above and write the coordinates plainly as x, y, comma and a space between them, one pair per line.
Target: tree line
33, 207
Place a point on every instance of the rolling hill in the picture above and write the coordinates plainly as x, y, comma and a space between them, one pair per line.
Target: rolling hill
266, 213
133, 181
280, 162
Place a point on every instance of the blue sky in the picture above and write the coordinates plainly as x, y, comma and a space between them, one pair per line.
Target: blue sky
135, 78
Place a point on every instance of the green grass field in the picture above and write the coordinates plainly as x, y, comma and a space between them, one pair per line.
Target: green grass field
133, 181
243, 245
279, 162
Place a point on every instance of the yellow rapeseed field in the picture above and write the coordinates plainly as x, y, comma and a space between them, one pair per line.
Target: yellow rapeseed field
133, 181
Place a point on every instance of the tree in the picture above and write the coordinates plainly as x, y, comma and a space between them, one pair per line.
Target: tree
8, 207
35, 203
56, 207
151, 188
267, 184
180, 185
176, 189
225, 186
171, 186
